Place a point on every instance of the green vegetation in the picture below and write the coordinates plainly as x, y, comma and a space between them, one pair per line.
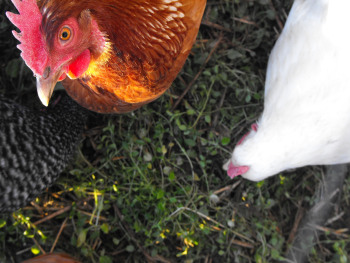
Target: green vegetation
149, 185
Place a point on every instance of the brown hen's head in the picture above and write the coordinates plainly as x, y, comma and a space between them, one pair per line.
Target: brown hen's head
118, 55
65, 51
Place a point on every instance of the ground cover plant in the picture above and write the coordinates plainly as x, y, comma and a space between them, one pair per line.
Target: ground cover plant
148, 186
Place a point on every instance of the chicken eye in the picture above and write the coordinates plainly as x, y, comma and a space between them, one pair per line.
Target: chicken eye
65, 33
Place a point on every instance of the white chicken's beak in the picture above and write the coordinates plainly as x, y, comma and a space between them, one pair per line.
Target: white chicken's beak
45, 85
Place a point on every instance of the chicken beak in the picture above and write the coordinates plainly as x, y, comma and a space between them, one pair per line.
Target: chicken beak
45, 85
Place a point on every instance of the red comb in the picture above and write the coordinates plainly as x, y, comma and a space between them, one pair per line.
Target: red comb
254, 128
32, 43
234, 171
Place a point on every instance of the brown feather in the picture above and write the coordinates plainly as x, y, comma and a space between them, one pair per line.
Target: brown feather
52, 258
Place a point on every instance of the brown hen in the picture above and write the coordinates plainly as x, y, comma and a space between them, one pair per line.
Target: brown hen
118, 55
52, 258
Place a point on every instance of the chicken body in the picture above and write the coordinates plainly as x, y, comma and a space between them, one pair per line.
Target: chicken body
118, 55
52, 258
307, 93
35, 147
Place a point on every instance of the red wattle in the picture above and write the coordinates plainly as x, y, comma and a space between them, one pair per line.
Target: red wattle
80, 64
234, 171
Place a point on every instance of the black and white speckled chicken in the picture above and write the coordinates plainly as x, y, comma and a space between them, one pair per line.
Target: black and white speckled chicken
35, 146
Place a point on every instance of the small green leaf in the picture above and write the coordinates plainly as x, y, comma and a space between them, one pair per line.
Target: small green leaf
116, 241
105, 228
260, 184
225, 141
172, 176
105, 259
84, 251
206, 73
273, 241
183, 127
258, 258
160, 194
130, 248
81, 237
257, 96
35, 250
190, 142
248, 98
2, 223
28, 234
275, 254
233, 54
191, 112
207, 118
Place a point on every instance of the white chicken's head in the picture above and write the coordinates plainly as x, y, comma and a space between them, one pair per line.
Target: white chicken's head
252, 157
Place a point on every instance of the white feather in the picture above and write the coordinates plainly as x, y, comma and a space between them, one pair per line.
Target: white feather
306, 117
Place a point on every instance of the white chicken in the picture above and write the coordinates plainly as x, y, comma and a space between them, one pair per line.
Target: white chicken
306, 117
